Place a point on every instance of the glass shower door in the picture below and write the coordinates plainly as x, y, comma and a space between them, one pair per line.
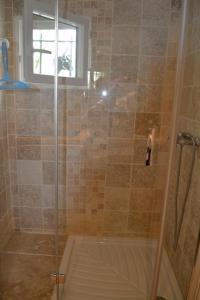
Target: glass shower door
111, 140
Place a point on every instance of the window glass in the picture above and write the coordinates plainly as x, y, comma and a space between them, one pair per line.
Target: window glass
43, 47
37, 30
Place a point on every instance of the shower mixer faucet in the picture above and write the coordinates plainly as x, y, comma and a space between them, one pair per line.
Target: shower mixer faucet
187, 139
183, 139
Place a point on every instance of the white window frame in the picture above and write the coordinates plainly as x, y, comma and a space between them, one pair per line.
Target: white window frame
83, 28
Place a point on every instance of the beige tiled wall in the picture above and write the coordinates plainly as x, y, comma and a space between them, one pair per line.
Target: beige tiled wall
188, 120
111, 190
104, 185
5, 140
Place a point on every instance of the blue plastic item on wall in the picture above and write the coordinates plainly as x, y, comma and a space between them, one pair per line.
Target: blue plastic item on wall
6, 83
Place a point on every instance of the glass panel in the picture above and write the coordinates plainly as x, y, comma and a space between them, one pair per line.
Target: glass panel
27, 169
112, 144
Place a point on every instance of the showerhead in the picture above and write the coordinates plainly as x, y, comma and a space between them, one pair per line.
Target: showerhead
6, 83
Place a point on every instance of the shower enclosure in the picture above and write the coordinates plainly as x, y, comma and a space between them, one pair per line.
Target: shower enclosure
84, 152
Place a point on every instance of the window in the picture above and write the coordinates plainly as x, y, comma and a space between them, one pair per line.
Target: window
44, 45
39, 45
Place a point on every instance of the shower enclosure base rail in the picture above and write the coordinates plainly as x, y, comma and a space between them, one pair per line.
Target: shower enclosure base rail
113, 268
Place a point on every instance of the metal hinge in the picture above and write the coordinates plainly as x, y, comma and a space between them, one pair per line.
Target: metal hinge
57, 278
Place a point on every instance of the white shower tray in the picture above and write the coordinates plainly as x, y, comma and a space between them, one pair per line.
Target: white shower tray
113, 269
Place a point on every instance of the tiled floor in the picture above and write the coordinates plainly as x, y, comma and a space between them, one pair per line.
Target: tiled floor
25, 265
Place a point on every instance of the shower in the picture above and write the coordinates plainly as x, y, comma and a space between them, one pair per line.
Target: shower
98, 193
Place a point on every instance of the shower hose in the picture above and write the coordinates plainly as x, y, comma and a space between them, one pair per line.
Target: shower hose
179, 221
